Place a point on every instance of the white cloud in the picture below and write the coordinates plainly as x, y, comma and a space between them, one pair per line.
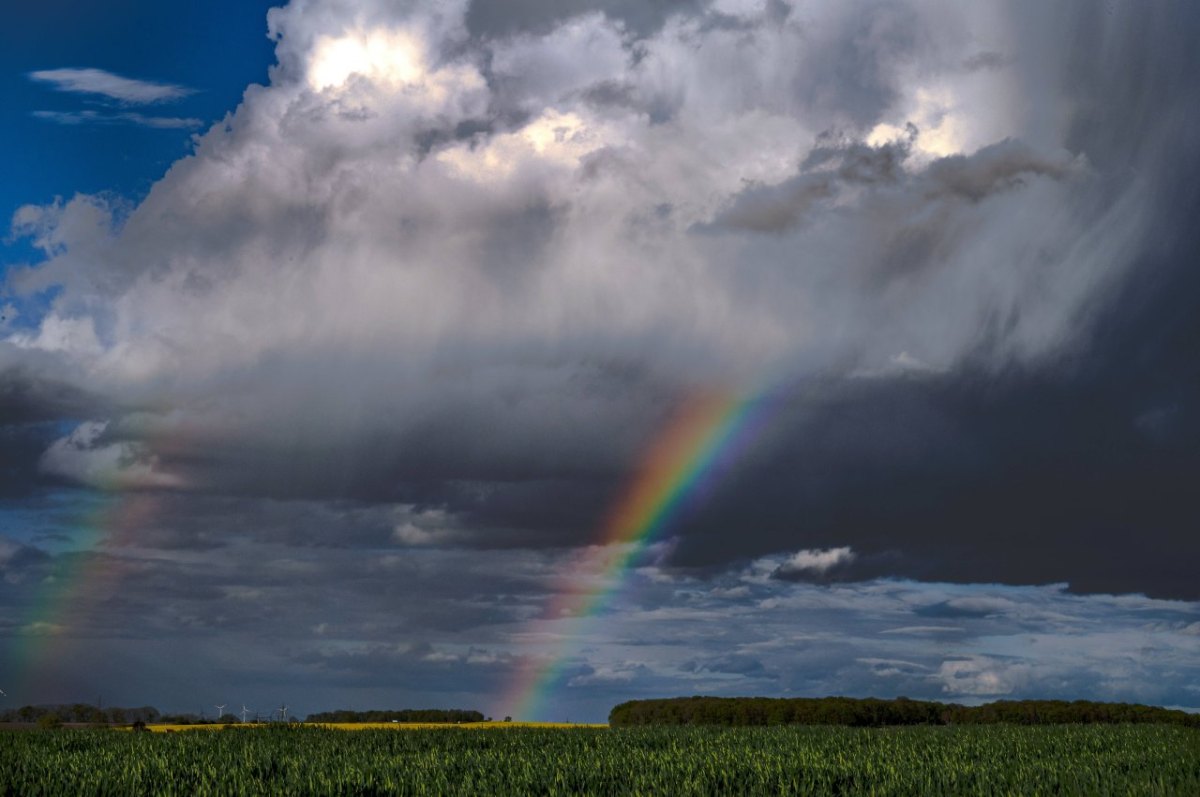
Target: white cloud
609, 673
551, 140
897, 365
581, 52
394, 57
921, 630
315, 194
82, 457
82, 222
816, 561
411, 232
72, 336
107, 84
889, 668
876, 662
981, 676
41, 628
419, 527
128, 117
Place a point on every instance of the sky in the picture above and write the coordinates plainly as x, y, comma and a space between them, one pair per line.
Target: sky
533, 356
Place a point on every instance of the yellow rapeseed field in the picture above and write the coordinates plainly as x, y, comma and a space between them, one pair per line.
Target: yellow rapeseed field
364, 726
367, 726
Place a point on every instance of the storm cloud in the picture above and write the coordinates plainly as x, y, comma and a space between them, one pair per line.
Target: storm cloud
435, 289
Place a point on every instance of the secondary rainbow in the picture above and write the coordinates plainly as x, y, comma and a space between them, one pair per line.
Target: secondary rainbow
86, 570
73, 596
708, 434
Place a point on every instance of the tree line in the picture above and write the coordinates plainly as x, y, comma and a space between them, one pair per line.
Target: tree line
875, 712
83, 713
402, 715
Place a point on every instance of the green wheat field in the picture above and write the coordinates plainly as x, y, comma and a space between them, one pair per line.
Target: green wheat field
979, 760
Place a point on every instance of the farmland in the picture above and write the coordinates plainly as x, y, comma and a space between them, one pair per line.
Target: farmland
996, 759
376, 726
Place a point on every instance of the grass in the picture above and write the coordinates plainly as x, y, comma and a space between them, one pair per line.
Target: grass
520, 760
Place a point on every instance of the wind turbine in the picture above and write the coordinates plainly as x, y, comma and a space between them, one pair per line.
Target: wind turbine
283, 712
245, 711
220, 709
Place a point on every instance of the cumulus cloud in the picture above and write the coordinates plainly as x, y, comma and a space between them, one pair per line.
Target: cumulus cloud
425, 527
446, 265
84, 457
815, 562
981, 676
109, 85
345, 212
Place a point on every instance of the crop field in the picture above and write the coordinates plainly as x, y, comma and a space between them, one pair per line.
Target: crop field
159, 727
976, 760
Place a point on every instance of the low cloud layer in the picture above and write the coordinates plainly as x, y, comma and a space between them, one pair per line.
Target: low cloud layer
303, 614
436, 288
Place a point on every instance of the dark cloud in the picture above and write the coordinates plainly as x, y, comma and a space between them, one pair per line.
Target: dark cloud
988, 59
995, 168
29, 398
342, 399
16, 557
505, 17
1032, 478
833, 166
829, 166
855, 70
33, 410
20, 448
777, 208
1073, 469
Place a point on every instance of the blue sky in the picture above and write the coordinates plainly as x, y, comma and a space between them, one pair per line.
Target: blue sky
330, 404
215, 48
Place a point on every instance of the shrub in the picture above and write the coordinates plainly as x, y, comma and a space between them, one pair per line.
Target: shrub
49, 722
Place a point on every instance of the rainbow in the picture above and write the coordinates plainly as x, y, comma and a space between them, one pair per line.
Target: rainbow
67, 603
708, 434
85, 572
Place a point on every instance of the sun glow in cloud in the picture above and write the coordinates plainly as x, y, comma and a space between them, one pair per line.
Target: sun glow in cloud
939, 120
553, 137
382, 55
